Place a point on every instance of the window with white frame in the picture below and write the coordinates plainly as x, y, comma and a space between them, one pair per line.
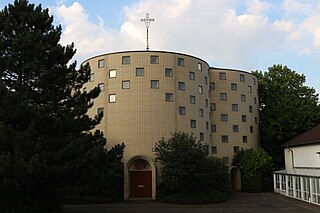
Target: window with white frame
283, 183
101, 87
91, 77
112, 73
200, 89
297, 181
192, 76
112, 98
101, 63
154, 84
168, 72
290, 186
126, 84
140, 71
154, 59
277, 181
306, 188
199, 66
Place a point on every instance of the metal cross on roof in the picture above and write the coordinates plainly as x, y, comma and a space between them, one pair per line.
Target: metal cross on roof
147, 21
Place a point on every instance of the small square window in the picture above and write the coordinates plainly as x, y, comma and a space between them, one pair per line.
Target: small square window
169, 97
192, 99
126, 84
168, 72
91, 77
212, 86
112, 98
250, 109
213, 107
200, 112
182, 110
236, 149
199, 66
223, 96
125, 59
235, 107
235, 128
224, 117
224, 139
101, 63
222, 76
154, 84
244, 139
206, 80
101, 87
112, 73
140, 71
213, 128
249, 89
234, 86
201, 136
181, 62
193, 124
154, 59
244, 118
181, 86
243, 98
213, 150
207, 102
200, 89
192, 76
251, 129
242, 78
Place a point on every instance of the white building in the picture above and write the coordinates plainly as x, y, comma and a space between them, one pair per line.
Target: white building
301, 178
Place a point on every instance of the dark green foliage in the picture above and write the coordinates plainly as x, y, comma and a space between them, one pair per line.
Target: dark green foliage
187, 174
47, 147
287, 108
252, 163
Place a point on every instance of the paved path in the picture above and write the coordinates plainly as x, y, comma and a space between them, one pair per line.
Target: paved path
240, 203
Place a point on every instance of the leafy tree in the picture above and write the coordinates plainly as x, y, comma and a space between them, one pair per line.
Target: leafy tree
186, 169
47, 146
287, 108
252, 163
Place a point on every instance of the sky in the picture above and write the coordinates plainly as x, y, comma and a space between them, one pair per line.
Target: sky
247, 35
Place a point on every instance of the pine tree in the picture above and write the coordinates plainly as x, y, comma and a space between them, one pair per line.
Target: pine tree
47, 145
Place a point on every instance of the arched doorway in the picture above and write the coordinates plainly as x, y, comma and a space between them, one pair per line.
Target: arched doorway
235, 179
140, 179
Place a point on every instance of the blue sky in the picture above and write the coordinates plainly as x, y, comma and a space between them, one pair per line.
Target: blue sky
241, 34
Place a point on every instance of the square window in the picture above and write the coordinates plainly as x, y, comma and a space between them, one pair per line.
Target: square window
201, 136
100, 63
199, 66
251, 129
223, 96
154, 84
234, 86
125, 59
200, 112
100, 111
206, 80
242, 78
168, 72
236, 149
112, 73
213, 128
193, 124
235, 128
154, 59
101, 87
222, 76
91, 77
140, 71
207, 103
213, 150
200, 89
243, 98
244, 139
181, 62
212, 86
235, 107
213, 107
244, 118
249, 89
126, 84
192, 76
181, 86
182, 110
224, 117
250, 109
192, 99
112, 98
224, 138
169, 97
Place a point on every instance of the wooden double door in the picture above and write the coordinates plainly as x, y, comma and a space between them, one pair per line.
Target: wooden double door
140, 184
